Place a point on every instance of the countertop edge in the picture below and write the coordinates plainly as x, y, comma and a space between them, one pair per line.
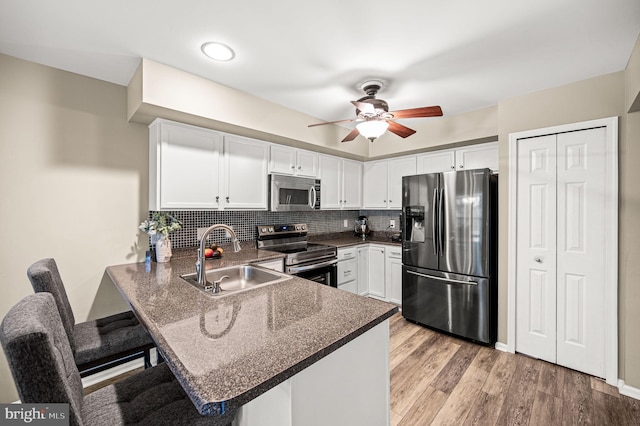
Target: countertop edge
239, 400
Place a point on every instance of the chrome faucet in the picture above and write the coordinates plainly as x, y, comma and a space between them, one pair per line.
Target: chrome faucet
200, 270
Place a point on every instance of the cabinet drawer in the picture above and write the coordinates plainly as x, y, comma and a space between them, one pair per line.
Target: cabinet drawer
347, 253
394, 252
347, 271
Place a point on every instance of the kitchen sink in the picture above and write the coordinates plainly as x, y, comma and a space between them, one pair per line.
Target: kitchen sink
234, 279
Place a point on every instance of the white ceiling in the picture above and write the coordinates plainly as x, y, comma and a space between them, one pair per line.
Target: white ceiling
312, 56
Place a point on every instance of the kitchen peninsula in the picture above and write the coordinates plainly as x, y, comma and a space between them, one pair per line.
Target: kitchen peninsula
291, 352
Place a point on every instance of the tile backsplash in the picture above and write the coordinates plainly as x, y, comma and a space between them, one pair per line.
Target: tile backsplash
245, 222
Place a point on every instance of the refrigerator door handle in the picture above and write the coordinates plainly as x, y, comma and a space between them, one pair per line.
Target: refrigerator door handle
443, 279
441, 222
434, 217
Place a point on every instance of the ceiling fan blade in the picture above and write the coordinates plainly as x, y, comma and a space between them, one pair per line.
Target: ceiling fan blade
364, 107
351, 136
399, 129
332, 122
430, 111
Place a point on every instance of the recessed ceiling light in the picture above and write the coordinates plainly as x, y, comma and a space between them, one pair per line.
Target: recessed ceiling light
218, 51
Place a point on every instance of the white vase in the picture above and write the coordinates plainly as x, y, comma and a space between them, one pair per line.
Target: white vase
163, 250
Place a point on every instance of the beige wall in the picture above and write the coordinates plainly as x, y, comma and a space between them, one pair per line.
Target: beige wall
630, 227
73, 179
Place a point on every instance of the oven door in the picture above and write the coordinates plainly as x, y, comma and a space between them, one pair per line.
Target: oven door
325, 272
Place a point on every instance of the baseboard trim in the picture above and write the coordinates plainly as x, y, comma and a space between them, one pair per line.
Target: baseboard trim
627, 390
502, 347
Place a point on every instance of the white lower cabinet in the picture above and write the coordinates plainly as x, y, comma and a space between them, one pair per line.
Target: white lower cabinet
348, 269
362, 254
377, 286
393, 274
371, 270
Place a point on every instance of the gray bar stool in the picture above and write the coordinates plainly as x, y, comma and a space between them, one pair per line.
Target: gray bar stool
99, 344
44, 371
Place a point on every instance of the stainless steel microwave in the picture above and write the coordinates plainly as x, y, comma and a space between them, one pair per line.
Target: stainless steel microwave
293, 194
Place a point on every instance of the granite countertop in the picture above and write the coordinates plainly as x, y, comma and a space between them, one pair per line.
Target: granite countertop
225, 351
345, 239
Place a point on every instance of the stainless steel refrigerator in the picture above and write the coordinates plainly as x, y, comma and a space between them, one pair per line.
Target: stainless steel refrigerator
449, 256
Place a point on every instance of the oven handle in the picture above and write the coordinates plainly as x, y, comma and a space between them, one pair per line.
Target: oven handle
298, 269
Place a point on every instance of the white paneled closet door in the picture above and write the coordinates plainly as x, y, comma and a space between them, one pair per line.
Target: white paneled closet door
561, 250
536, 264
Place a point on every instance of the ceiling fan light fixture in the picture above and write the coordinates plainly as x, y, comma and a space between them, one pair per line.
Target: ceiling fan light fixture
372, 129
218, 51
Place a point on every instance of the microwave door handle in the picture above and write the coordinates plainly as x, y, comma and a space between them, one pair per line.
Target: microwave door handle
434, 219
312, 197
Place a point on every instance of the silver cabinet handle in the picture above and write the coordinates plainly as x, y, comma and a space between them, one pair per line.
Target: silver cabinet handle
227, 198
538, 259
217, 198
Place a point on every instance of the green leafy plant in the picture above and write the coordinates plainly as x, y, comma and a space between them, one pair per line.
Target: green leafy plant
160, 223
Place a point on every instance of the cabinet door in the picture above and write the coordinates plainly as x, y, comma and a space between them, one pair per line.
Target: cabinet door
245, 166
436, 162
396, 170
282, 160
306, 163
351, 184
375, 185
376, 271
330, 182
187, 167
393, 274
362, 254
478, 157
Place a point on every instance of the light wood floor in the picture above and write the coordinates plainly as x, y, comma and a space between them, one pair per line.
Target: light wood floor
437, 379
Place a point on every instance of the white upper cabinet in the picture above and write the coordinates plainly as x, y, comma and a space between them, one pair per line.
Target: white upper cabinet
291, 161
478, 157
195, 168
245, 179
341, 183
470, 157
383, 182
351, 184
436, 162
375, 185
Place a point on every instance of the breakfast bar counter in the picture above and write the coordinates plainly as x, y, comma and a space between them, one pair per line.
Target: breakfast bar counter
228, 350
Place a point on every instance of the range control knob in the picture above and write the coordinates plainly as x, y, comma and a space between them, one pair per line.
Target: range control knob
263, 230
298, 227
271, 229
304, 227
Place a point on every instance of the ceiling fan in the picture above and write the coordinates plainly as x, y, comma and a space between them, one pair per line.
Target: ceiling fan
375, 118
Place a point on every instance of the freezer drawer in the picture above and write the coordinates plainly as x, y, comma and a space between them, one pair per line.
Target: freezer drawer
458, 304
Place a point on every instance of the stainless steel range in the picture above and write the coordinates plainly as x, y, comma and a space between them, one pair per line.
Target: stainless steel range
315, 262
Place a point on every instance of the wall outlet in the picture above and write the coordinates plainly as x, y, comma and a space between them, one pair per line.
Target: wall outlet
346, 223
392, 223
